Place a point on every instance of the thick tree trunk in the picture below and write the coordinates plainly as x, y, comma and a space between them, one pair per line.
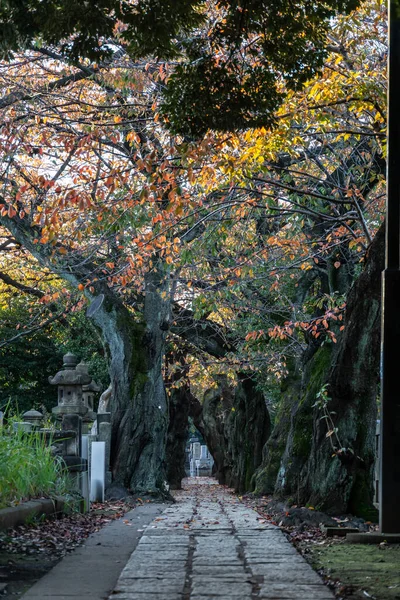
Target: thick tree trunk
177, 436
249, 428
266, 475
337, 479
235, 424
136, 350
179, 400
139, 413
345, 482
217, 405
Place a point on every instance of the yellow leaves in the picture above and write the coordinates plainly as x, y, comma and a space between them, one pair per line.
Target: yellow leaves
132, 136
305, 266
241, 212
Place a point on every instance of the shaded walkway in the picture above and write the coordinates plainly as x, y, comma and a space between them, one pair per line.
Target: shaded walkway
92, 570
209, 545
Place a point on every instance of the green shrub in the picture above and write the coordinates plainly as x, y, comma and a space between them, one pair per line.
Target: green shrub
28, 469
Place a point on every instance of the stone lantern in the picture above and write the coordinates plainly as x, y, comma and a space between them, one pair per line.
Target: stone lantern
88, 392
70, 382
34, 417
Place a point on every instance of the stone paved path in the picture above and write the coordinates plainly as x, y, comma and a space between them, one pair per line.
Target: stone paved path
209, 545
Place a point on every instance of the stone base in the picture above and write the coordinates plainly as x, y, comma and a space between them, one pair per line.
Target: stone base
60, 411
373, 538
339, 531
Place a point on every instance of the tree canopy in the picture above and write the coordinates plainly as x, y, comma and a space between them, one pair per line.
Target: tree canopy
235, 60
237, 253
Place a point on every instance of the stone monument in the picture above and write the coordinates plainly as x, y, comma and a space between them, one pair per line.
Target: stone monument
70, 382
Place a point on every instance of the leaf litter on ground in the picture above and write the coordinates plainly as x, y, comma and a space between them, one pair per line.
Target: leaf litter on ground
58, 536
303, 527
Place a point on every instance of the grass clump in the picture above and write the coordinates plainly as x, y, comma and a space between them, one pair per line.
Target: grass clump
28, 469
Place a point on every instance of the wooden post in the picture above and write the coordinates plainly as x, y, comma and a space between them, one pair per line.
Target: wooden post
389, 486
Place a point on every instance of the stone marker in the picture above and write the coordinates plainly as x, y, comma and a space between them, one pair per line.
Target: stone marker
196, 450
97, 472
84, 476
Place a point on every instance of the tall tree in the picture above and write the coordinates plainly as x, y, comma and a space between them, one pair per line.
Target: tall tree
261, 232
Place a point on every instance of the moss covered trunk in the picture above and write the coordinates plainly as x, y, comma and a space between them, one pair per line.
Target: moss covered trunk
235, 423
345, 481
139, 412
333, 473
138, 404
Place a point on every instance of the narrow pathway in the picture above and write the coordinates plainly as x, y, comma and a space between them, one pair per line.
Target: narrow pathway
209, 545
92, 570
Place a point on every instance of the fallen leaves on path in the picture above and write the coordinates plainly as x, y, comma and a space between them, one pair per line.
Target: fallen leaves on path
56, 537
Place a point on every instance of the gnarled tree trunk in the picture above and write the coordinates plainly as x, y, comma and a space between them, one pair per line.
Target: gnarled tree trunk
179, 400
139, 412
309, 469
136, 351
235, 424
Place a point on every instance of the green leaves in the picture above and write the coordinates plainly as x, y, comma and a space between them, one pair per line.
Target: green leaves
235, 67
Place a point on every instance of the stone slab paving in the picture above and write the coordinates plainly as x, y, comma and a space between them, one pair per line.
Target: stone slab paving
92, 570
209, 545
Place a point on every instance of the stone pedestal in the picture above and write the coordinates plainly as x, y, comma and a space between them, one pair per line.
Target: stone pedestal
72, 446
22, 426
34, 417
